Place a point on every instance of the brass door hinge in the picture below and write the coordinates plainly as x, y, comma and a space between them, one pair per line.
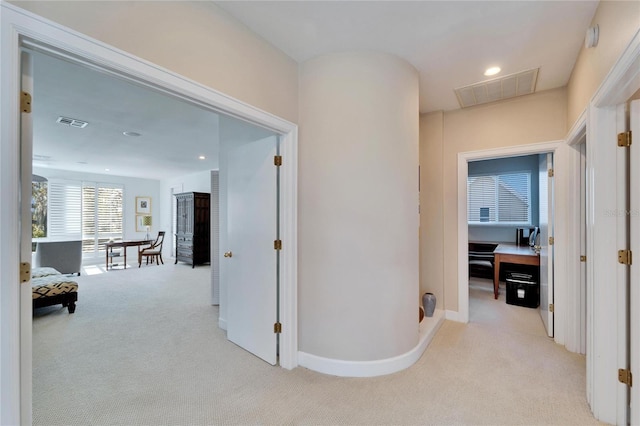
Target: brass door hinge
624, 139
277, 327
277, 160
625, 376
583, 258
277, 245
550, 172
624, 257
550, 307
551, 241
25, 102
25, 272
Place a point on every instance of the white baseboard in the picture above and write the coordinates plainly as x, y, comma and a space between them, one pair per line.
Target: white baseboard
222, 323
453, 316
336, 367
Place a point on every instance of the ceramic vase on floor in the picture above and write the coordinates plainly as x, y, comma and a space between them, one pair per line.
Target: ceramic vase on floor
429, 304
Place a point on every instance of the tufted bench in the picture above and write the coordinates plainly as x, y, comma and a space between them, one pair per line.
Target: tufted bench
50, 287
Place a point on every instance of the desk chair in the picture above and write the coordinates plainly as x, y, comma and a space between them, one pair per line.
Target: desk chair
154, 251
481, 260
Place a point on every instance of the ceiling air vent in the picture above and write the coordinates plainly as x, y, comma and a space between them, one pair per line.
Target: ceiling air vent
72, 122
509, 86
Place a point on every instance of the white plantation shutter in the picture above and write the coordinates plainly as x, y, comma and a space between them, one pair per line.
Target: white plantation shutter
101, 214
89, 218
501, 198
109, 212
64, 210
84, 210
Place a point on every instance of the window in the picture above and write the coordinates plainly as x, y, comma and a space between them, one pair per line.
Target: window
39, 190
101, 215
500, 198
64, 210
72, 210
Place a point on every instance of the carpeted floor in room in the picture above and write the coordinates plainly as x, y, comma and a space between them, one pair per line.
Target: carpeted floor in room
144, 348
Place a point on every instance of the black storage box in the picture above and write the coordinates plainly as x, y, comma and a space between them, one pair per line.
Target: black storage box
522, 290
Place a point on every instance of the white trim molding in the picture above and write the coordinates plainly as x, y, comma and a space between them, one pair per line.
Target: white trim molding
623, 80
576, 304
606, 280
22, 29
578, 131
453, 316
342, 368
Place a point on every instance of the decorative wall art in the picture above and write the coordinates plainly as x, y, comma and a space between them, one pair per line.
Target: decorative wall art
143, 205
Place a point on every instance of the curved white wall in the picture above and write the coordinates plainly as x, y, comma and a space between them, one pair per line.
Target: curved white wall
358, 207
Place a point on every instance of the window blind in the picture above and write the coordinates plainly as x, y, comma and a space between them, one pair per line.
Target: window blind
500, 198
102, 217
64, 210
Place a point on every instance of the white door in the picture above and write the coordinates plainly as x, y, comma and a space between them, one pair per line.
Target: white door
583, 248
250, 261
634, 190
546, 249
26, 303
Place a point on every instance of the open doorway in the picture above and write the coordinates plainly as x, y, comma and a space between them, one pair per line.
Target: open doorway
144, 165
463, 218
98, 56
508, 212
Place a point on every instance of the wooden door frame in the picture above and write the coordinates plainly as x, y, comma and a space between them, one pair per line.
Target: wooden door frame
20, 29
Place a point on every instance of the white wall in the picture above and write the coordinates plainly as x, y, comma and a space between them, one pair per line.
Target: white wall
133, 187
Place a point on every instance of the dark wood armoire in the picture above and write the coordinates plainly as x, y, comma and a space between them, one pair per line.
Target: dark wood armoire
193, 228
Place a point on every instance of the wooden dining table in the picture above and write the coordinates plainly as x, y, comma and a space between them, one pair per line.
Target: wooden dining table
124, 244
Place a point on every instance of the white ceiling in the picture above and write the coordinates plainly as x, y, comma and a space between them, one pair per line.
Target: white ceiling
173, 133
451, 43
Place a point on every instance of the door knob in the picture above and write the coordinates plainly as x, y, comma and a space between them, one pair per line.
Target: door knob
228, 254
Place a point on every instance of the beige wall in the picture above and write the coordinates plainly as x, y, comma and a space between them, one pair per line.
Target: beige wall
531, 119
618, 22
358, 207
195, 39
431, 198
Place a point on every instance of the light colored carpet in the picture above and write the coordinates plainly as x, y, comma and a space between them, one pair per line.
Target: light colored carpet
143, 348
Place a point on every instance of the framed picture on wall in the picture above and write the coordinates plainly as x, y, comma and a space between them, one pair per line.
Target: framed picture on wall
140, 227
143, 205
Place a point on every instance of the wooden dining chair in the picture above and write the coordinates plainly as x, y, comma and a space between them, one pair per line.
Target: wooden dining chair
154, 251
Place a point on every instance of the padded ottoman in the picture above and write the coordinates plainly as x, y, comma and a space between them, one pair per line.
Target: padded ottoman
50, 287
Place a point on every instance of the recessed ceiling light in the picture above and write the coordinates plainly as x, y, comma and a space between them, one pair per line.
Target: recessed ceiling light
106, 170
132, 134
492, 71
202, 157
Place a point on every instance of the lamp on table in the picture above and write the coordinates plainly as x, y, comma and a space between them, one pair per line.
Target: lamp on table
146, 222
